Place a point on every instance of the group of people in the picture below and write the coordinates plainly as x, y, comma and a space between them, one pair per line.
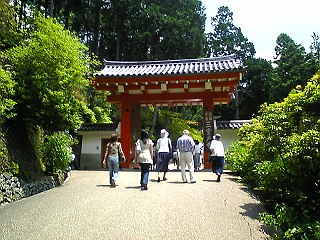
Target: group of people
144, 155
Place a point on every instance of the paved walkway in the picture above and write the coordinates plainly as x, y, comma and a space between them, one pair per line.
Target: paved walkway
85, 207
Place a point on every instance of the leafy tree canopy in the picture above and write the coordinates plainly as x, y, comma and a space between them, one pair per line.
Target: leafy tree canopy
294, 67
227, 39
49, 70
9, 35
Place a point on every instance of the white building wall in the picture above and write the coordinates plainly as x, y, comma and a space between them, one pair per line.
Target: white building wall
228, 136
90, 157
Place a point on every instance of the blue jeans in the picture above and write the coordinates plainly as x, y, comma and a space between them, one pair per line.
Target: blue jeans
113, 164
145, 169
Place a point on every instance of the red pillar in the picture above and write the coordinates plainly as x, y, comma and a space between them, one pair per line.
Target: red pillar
126, 111
208, 128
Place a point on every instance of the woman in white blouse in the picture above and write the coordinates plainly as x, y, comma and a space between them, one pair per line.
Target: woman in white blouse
164, 148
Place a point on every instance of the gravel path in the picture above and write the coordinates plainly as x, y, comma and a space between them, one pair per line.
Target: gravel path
85, 207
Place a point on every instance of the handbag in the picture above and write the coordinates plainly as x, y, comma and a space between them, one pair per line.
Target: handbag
120, 155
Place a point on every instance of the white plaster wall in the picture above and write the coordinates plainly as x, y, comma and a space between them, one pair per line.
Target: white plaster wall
228, 136
91, 149
91, 142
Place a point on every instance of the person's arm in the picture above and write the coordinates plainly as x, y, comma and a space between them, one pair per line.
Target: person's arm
151, 151
106, 155
120, 149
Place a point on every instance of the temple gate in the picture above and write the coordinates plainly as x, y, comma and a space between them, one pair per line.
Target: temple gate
187, 82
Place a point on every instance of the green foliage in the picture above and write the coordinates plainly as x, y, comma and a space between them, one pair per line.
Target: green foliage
98, 104
5, 165
174, 124
279, 155
50, 74
134, 30
6, 95
9, 34
254, 89
56, 152
294, 67
315, 46
227, 39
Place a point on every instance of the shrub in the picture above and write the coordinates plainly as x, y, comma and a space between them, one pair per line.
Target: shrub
279, 155
56, 152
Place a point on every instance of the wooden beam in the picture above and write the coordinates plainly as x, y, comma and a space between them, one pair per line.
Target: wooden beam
160, 78
166, 97
194, 85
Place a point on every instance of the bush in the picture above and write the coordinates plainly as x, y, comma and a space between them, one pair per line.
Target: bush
279, 155
56, 152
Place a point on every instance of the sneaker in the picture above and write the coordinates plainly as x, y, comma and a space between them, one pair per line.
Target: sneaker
113, 184
219, 178
193, 181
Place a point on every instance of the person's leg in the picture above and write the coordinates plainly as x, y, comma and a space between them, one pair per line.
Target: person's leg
220, 166
158, 165
183, 166
115, 171
197, 161
178, 163
111, 171
189, 160
194, 158
166, 166
141, 175
145, 168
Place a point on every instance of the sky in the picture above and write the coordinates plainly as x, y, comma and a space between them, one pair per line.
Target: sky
262, 21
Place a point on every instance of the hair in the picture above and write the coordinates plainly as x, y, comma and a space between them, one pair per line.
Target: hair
114, 138
186, 132
144, 136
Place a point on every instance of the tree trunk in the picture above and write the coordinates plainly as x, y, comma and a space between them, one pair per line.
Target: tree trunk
155, 114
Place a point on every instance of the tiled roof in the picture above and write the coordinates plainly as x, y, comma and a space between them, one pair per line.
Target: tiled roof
232, 124
170, 67
90, 127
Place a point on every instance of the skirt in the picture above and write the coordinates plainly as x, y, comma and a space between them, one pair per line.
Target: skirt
217, 164
162, 162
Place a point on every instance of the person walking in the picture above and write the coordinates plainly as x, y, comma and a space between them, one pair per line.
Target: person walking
163, 148
185, 144
217, 156
144, 156
196, 156
111, 157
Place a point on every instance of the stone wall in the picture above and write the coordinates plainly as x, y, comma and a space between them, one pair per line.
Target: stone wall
13, 189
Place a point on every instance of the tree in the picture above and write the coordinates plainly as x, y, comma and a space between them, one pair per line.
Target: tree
294, 67
255, 87
227, 39
315, 46
50, 71
9, 36
151, 30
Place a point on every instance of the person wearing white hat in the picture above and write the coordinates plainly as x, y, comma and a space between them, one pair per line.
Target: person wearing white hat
163, 148
217, 156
